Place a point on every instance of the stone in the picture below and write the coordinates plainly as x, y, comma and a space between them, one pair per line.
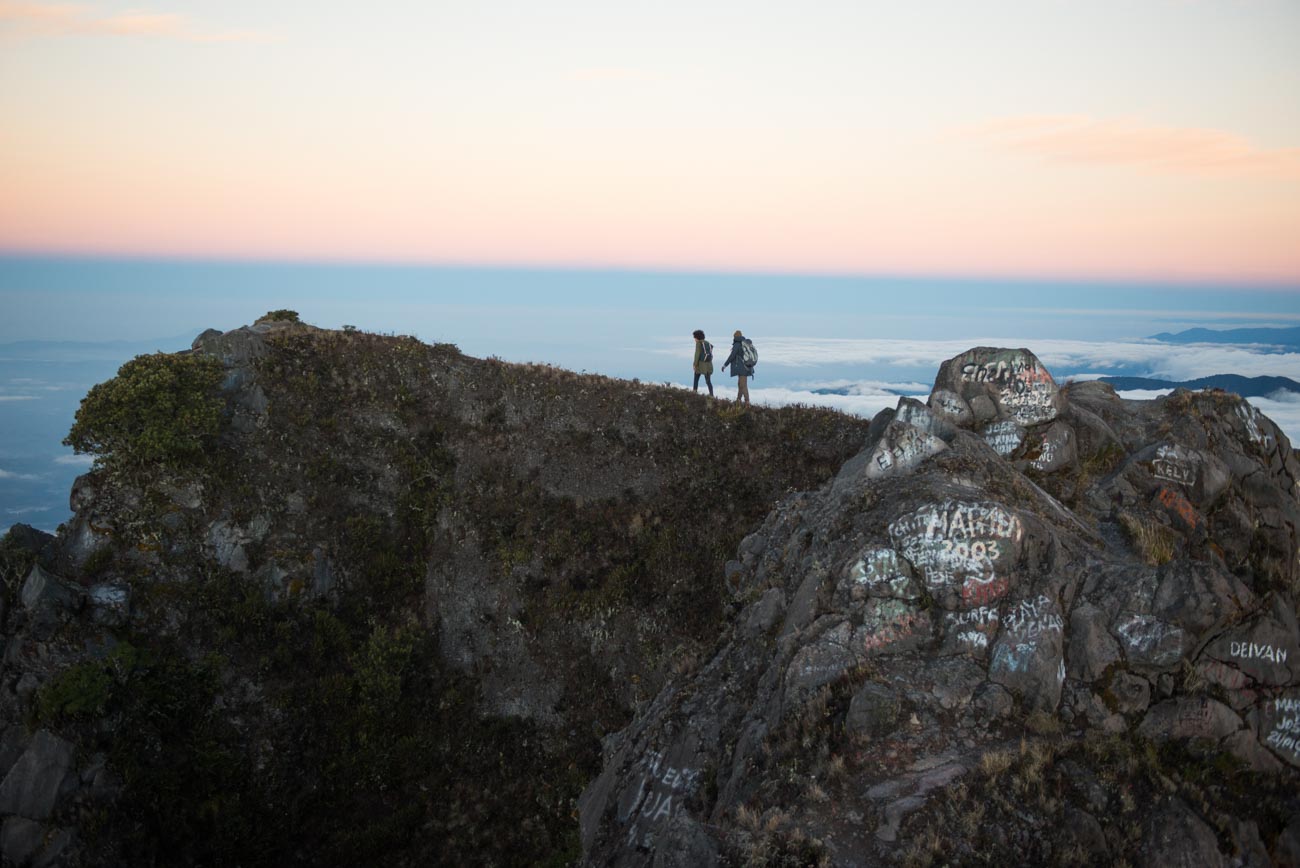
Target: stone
900, 449
1131, 694
1082, 830
1197, 595
20, 840
1053, 450
1175, 835
110, 603
40, 778
45, 595
1149, 643
951, 407
1006, 437
228, 541
1190, 717
1014, 381
1092, 650
912, 412
1246, 747
983, 409
1265, 648
1279, 726
1286, 849
873, 711
764, 614
1028, 658
684, 843
821, 662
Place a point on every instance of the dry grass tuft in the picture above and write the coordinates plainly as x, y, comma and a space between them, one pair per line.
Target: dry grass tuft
1153, 542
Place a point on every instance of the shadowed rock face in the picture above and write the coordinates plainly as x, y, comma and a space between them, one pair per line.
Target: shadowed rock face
1116, 574
387, 617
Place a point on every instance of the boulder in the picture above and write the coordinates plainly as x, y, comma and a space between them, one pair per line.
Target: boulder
47, 598
1175, 835
42, 776
1014, 382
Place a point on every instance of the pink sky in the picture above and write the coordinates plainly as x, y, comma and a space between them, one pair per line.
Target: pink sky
844, 142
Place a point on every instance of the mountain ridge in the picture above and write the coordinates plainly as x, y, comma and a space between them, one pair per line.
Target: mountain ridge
1246, 387
332, 598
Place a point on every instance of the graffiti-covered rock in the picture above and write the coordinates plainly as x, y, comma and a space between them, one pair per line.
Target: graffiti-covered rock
1051, 568
1009, 384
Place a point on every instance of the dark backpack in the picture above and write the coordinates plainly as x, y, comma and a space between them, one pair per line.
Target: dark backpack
748, 353
708, 352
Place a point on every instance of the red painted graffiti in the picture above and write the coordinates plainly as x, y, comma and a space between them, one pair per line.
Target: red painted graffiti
1180, 506
976, 593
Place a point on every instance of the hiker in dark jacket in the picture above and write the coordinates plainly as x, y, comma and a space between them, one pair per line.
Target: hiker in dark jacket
703, 364
739, 370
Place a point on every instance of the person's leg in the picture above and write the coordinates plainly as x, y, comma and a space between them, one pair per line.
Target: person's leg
708, 381
743, 393
696, 387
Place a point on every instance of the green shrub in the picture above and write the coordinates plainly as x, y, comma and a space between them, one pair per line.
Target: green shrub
159, 409
83, 690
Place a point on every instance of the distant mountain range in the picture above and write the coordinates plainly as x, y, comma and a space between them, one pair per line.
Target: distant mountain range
1246, 387
67, 351
1277, 337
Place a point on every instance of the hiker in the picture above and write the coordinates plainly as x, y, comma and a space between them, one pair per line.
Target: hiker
742, 360
703, 363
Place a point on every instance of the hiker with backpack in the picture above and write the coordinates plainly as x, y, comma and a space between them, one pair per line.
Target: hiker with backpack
742, 360
703, 362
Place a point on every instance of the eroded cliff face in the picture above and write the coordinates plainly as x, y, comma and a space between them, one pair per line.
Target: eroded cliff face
388, 615
1025, 623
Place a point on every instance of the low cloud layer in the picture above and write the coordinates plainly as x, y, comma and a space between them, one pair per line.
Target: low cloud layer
1062, 357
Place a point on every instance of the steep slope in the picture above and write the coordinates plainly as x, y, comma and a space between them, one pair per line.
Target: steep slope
336, 598
1024, 626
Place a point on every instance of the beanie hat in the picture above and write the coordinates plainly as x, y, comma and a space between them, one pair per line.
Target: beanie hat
737, 334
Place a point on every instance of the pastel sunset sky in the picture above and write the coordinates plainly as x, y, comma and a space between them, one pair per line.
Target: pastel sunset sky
1101, 139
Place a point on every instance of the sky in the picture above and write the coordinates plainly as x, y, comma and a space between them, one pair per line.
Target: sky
1119, 140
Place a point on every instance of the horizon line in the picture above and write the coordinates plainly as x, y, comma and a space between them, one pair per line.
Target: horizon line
1270, 284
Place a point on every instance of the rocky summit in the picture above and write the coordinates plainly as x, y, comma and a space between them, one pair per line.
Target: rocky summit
1026, 624
338, 598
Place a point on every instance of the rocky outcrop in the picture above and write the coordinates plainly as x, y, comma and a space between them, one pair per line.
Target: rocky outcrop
1016, 555
388, 614
411, 605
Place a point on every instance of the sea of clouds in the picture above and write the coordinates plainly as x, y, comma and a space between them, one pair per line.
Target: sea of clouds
789, 368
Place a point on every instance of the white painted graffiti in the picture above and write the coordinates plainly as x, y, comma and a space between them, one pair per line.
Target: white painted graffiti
1031, 619
980, 616
974, 639
1005, 437
1286, 703
1253, 420
1148, 636
1174, 464
954, 542
1255, 651
949, 403
1051, 449
660, 795
909, 448
879, 570
1025, 387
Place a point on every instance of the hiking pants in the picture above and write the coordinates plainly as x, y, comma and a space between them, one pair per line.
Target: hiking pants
708, 381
